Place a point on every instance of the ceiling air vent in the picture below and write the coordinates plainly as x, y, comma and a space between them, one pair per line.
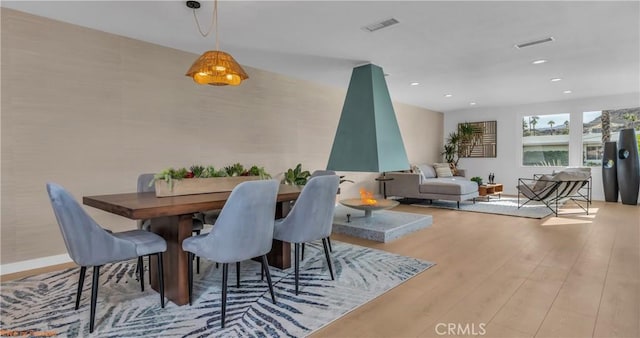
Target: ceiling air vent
533, 43
380, 25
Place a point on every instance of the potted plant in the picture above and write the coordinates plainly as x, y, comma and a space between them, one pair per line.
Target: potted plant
477, 179
296, 176
461, 143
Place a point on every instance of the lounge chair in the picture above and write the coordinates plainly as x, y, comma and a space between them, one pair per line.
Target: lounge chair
552, 190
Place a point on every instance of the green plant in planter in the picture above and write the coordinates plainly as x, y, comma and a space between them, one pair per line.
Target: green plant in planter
477, 179
169, 175
198, 171
296, 176
259, 171
235, 170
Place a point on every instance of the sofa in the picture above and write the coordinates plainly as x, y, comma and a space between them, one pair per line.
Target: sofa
432, 182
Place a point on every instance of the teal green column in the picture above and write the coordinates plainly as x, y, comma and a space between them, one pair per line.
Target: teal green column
368, 138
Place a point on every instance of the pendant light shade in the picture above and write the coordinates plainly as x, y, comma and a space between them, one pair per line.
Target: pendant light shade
214, 67
217, 68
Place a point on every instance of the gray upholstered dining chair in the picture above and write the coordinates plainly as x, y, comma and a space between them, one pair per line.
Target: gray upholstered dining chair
144, 181
89, 245
243, 230
310, 219
317, 173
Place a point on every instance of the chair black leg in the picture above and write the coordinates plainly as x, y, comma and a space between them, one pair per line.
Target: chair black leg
149, 258
296, 253
237, 274
83, 271
161, 278
302, 258
94, 297
262, 272
197, 257
190, 275
141, 266
265, 268
326, 255
225, 274
458, 204
329, 242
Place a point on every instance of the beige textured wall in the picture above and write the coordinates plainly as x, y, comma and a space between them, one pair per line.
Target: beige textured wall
91, 110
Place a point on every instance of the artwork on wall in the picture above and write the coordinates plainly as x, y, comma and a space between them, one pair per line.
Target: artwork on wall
484, 140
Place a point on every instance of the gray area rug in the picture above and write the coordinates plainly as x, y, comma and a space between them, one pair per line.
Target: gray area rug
45, 303
502, 206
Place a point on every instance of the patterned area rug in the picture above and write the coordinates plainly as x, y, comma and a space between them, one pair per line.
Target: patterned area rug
45, 303
502, 206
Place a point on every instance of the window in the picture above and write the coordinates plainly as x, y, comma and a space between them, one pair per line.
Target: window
545, 140
592, 147
601, 126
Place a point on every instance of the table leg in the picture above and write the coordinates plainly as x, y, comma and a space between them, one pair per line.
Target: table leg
174, 229
280, 254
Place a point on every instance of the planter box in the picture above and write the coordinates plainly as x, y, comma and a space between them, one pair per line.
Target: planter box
193, 186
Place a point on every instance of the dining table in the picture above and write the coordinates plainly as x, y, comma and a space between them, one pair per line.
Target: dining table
171, 217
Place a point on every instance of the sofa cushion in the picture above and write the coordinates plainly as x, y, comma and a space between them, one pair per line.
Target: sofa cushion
442, 170
426, 170
448, 186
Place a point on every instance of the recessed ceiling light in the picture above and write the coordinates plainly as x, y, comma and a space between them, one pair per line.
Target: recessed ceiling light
415, 83
537, 62
448, 95
556, 79
567, 92
472, 103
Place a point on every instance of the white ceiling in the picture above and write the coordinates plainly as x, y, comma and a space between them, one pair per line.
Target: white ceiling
462, 48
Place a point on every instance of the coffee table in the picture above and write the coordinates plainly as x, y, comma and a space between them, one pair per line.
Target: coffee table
490, 190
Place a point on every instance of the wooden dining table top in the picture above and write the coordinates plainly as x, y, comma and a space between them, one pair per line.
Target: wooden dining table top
145, 205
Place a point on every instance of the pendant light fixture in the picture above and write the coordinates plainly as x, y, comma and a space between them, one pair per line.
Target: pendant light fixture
214, 67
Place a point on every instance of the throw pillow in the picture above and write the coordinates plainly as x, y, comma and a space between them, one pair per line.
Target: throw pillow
542, 183
427, 170
571, 175
443, 170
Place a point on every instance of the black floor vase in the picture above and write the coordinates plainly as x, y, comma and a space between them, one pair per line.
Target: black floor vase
628, 167
610, 171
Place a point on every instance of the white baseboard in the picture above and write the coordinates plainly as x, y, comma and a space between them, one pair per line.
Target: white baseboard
34, 264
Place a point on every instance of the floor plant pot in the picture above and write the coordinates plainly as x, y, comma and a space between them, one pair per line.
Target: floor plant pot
610, 171
628, 167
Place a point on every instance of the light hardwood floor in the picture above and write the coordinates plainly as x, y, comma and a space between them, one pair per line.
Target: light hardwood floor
568, 276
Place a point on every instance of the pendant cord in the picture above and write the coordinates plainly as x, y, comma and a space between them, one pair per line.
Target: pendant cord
215, 18
214, 21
